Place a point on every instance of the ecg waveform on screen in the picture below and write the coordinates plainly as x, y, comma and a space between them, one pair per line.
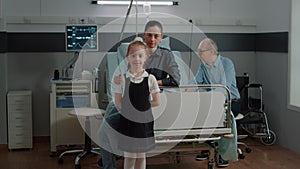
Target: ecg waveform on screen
81, 37
87, 45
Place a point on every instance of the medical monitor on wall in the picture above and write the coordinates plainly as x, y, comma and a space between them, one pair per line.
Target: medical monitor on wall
81, 38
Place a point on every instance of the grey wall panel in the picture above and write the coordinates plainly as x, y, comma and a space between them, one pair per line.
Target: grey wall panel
272, 42
55, 42
3, 114
3, 42
36, 42
234, 41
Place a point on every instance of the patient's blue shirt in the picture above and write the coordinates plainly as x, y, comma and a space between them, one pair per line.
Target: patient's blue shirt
222, 72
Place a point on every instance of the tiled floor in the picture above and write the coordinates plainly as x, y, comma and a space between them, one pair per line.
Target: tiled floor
261, 157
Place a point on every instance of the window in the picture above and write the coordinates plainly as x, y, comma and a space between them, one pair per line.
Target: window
294, 58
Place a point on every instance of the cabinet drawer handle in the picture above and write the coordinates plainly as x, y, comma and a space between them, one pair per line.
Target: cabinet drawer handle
19, 134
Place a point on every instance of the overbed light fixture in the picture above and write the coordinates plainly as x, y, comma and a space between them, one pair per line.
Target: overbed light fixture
159, 3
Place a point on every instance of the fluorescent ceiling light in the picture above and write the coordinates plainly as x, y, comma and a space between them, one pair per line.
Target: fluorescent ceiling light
162, 3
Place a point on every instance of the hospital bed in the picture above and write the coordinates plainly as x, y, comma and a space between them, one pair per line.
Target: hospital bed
185, 119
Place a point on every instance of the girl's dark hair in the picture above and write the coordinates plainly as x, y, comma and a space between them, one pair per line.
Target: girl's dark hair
153, 23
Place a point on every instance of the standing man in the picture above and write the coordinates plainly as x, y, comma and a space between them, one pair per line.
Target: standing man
161, 62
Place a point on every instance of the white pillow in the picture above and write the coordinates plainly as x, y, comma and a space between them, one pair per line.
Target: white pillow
165, 43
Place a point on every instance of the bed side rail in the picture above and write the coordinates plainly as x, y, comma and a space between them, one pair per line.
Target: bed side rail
186, 111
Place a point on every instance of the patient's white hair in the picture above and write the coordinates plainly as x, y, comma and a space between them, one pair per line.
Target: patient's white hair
212, 44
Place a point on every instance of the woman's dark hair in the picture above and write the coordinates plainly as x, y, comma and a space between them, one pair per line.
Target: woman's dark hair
153, 23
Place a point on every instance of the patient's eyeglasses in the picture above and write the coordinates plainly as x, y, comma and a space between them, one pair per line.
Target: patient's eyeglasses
150, 35
202, 51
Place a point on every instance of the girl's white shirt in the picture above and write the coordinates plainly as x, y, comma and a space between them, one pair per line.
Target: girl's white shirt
153, 85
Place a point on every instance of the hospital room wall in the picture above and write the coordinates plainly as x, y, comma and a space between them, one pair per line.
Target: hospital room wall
33, 70
25, 67
3, 123
272, 72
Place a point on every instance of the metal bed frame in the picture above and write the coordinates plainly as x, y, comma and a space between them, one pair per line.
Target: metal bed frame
187, 117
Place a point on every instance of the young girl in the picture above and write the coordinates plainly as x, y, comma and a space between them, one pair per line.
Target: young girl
134, 96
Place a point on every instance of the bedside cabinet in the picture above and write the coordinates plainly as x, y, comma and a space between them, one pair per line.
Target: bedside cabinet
19, 112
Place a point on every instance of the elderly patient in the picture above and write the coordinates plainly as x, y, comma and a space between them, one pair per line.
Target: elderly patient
216, 69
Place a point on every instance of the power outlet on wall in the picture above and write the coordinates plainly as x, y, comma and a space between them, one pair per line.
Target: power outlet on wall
83, 20
91, 20
72, 20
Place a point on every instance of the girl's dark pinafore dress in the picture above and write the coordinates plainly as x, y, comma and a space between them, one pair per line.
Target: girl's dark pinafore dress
136, 120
